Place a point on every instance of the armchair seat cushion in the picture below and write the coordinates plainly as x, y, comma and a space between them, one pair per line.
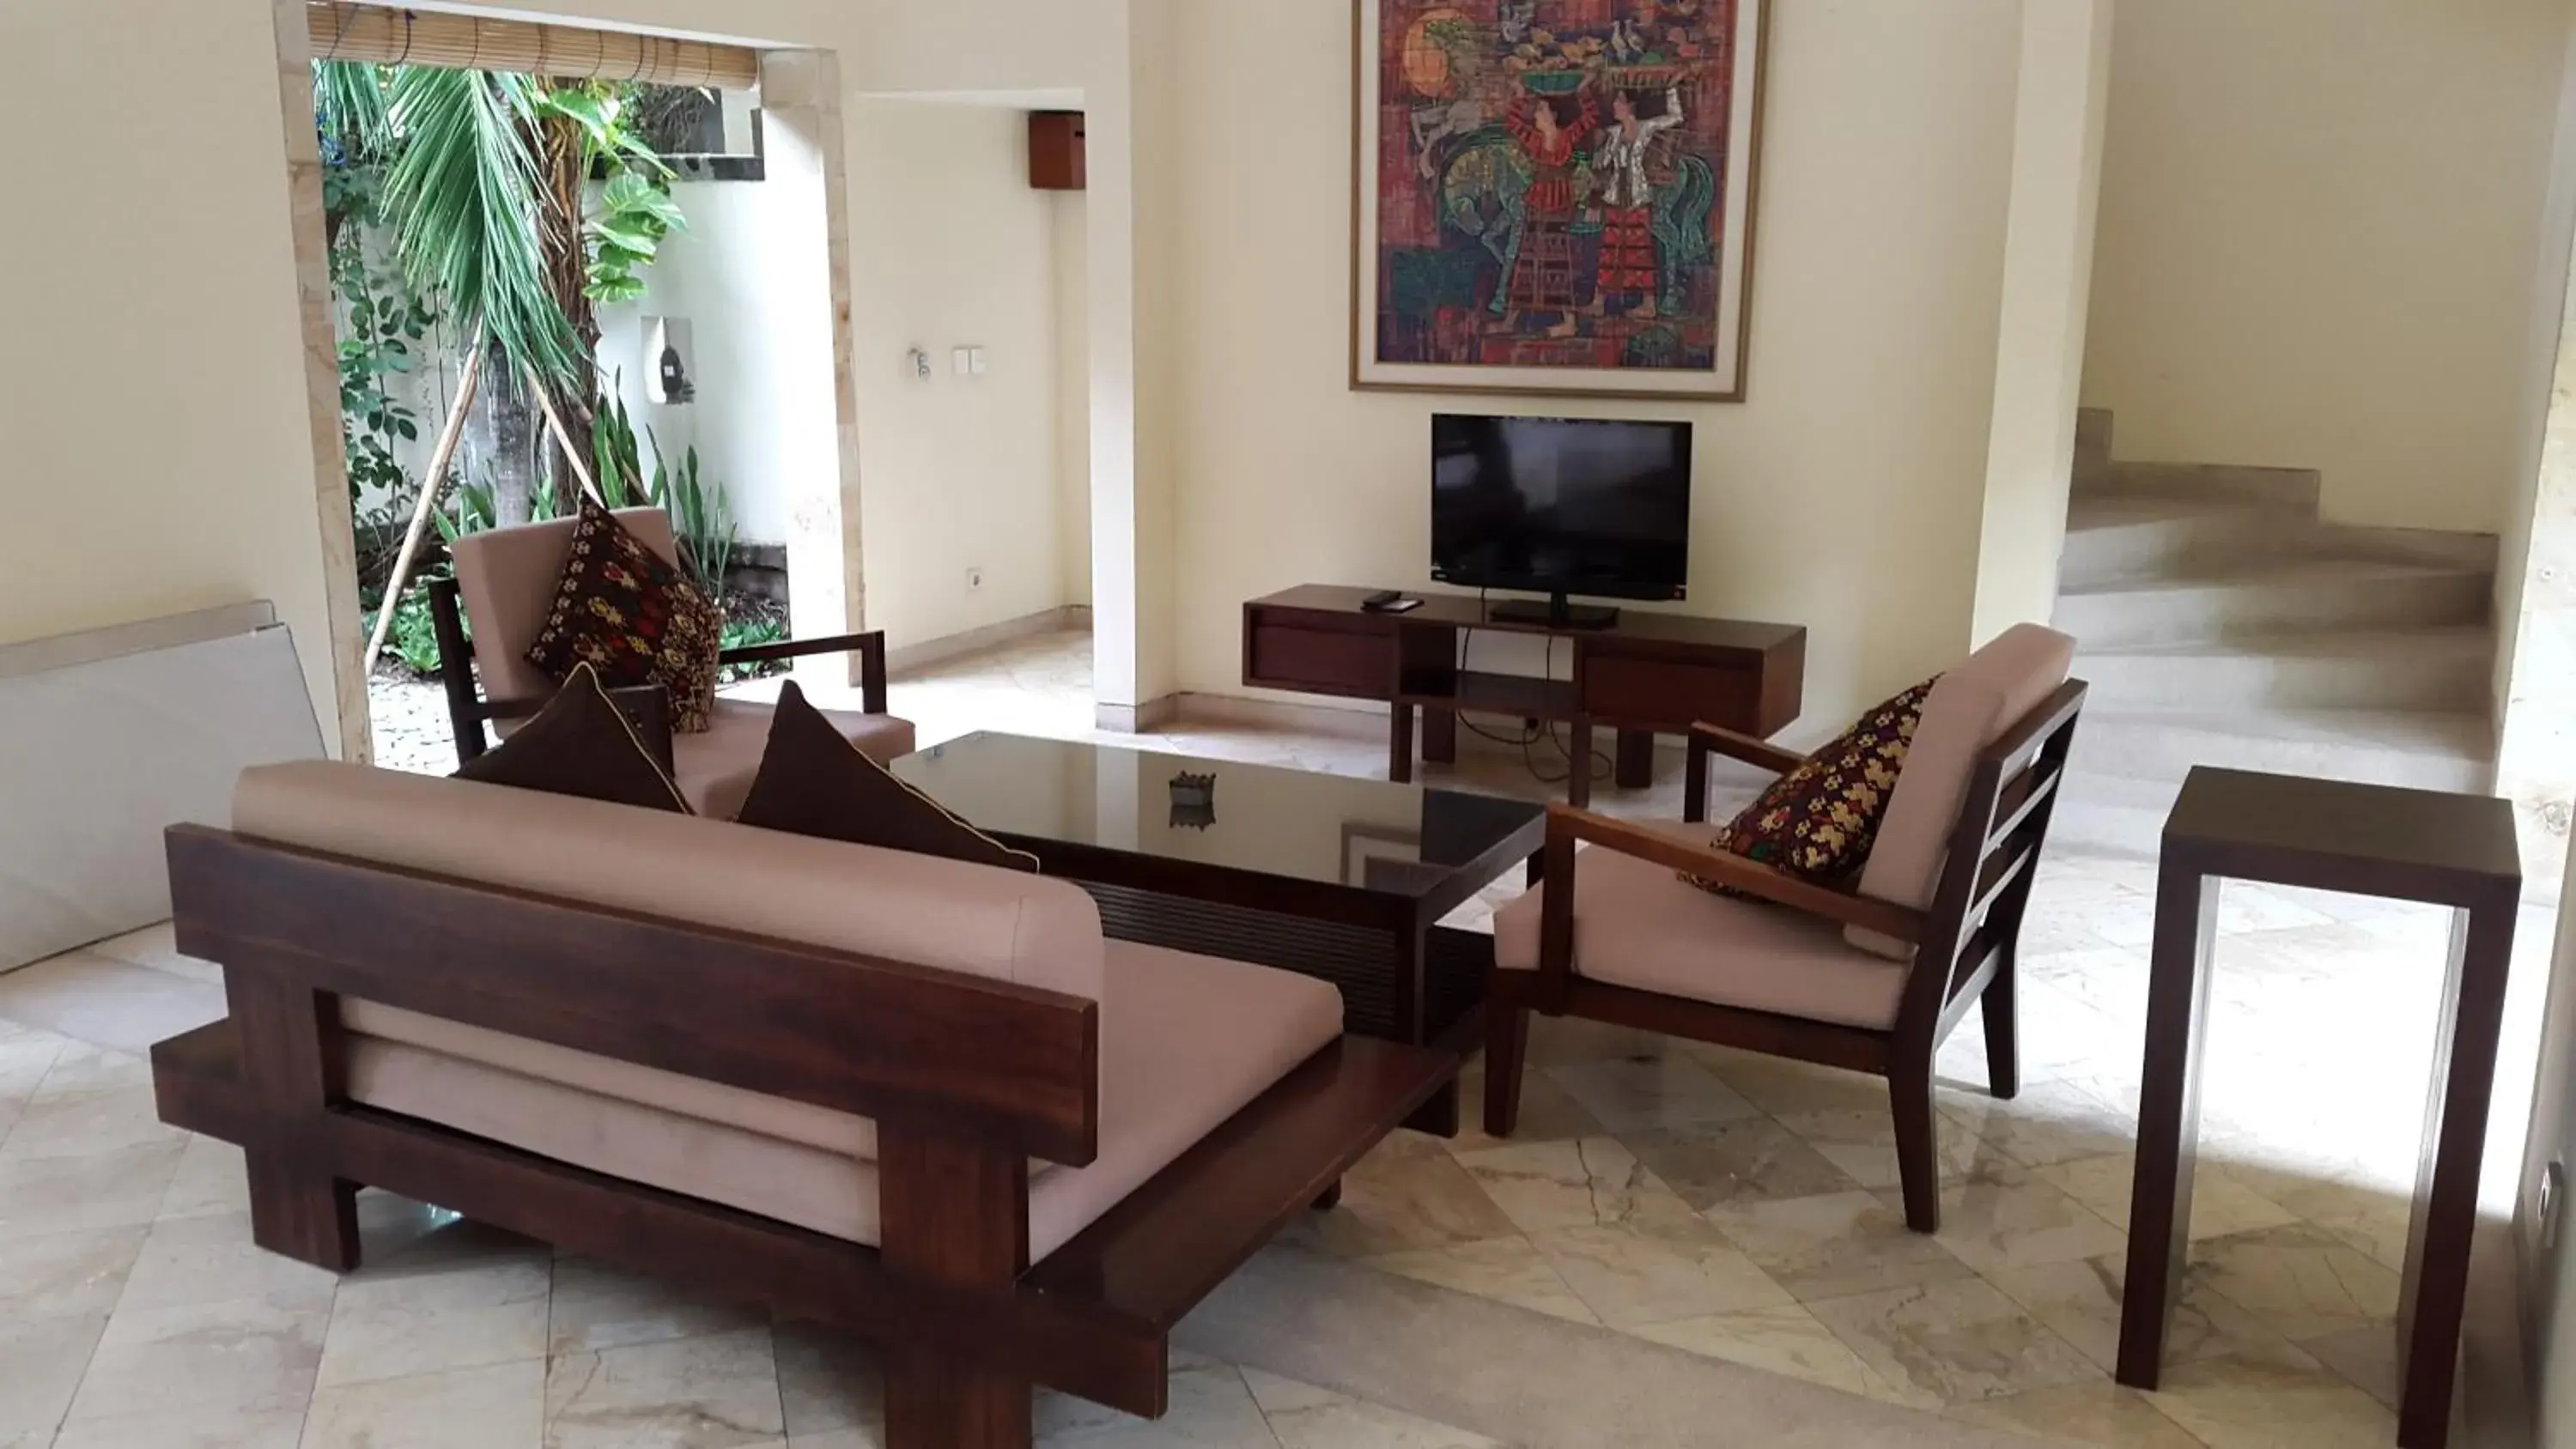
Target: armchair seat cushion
1185, 1043
1638, 925
715, 768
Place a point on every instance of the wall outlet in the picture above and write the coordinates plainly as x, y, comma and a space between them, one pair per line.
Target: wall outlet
974, 577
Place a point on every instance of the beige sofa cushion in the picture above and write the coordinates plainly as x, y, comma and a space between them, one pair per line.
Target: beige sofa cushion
715, 769
1194, 1040
1636, 924
1969, 709
945, 914
506, 578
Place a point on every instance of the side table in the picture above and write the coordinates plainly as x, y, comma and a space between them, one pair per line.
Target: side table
2451, 850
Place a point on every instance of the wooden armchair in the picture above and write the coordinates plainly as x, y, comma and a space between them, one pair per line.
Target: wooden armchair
504, 584
1871, 978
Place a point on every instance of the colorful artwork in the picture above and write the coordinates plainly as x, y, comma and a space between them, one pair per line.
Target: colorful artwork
1554, 195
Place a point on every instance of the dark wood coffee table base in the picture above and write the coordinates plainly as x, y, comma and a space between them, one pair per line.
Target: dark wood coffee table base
1398, 983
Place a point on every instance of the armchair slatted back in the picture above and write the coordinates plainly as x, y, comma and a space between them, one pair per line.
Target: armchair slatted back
1992, 859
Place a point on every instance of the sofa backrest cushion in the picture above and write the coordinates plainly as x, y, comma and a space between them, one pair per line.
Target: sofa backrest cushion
945, 914
813, 781
1969, 708
507, 578
581, 744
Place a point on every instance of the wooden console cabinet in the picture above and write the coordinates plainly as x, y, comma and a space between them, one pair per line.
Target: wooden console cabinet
1649, 674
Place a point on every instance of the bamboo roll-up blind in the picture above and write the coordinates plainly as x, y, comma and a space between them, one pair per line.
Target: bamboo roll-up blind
472, 42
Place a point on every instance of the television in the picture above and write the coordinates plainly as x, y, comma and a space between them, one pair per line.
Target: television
1561, 506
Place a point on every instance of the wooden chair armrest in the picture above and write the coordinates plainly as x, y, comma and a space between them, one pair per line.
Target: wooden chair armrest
1734, 872
1735, 745
1705, 740
870, 647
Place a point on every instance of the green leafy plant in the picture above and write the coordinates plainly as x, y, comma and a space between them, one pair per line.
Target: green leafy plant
465, 193
414, 638
756, 630
635, 210
614, 458
700, 514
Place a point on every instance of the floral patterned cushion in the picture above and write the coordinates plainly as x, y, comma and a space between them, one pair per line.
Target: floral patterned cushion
630, 614
1817, 822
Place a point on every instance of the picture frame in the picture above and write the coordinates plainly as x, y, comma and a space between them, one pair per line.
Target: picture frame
1606, 251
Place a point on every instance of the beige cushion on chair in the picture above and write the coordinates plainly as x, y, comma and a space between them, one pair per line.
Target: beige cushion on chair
507, 579
1636, 924
714, 770
1969, 709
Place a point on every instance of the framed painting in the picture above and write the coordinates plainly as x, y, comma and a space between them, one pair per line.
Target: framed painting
1554, 196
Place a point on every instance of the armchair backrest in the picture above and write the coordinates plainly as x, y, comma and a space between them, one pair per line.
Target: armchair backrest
506, 579
1969, 709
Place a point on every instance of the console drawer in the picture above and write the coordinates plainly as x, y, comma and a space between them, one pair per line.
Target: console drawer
1294, 653
1668, 695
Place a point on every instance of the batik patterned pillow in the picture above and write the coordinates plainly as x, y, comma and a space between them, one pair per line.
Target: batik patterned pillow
631, 615
1818, 821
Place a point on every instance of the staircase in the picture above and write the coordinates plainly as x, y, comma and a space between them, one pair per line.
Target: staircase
2222, 622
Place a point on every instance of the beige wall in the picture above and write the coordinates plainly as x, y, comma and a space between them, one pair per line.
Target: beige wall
2320, 222
153, 429
2549, 1275
2058, 123
1846, 492
1073, 393
950, 247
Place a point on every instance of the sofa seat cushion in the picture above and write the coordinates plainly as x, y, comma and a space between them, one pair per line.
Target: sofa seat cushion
715, 767
1189, 1041
1637, 924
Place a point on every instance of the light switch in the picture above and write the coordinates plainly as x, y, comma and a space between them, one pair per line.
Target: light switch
981, 364
964, 360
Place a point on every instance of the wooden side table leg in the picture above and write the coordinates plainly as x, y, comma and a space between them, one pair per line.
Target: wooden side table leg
2168, 1116
2434, 1298
1399, 743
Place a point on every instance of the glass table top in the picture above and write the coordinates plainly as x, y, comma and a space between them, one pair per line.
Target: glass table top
1369, 834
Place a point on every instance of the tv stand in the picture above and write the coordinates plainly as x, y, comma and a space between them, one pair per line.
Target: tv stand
1553, 613
1641, 673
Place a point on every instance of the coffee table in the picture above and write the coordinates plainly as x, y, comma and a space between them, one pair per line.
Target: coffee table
1334, 877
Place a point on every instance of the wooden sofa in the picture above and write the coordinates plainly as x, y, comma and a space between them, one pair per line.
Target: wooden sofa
916, 1099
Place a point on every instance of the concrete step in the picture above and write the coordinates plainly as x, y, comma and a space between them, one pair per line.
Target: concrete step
2129, 536
2292, 490
2418, 749
2446, 670
2092, 446
2272, 598
2111, 817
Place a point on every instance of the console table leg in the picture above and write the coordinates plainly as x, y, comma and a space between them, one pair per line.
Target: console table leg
1399, 743
2434, 1297
1636, 768
2168, 1116
1440, 736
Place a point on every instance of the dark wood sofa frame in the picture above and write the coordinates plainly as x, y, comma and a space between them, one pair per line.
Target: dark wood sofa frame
967, 1079
467, 709
1966, 944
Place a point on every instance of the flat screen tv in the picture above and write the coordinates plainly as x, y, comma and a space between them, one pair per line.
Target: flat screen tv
1561, 506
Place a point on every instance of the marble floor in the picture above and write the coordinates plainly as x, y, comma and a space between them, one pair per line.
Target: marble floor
1729, 1205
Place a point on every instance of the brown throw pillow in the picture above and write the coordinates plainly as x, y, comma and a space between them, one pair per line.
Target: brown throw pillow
1818, 821
581, 744
626, 610
812, 781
